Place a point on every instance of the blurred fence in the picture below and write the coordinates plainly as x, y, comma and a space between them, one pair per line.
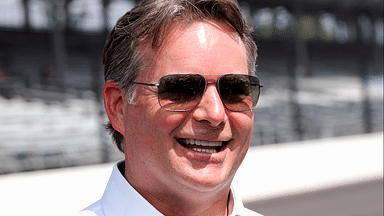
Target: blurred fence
320, 64
330, 106
41, 133
36, 134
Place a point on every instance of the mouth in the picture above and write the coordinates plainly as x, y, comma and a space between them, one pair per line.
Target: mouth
202, 146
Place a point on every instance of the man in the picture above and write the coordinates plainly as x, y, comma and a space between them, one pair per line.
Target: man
179, 94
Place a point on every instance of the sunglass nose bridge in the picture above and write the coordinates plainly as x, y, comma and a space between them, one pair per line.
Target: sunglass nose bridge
212, 82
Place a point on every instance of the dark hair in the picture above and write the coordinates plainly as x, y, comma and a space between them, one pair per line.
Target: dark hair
148, 22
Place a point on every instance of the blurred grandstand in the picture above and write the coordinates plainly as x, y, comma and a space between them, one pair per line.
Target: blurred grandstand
320, 62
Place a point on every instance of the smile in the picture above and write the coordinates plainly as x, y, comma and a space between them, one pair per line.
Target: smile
202, 146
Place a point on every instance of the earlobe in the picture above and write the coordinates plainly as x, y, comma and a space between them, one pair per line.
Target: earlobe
113, 103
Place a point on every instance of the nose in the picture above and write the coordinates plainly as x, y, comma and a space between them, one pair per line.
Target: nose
210, 109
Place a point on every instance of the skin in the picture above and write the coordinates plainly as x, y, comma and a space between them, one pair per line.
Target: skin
175, 179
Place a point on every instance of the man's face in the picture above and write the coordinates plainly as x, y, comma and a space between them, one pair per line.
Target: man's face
155, 155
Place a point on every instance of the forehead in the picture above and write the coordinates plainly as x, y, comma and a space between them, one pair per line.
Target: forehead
202, 29
204, 47
200, 34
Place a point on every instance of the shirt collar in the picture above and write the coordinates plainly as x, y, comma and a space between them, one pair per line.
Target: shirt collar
120, 197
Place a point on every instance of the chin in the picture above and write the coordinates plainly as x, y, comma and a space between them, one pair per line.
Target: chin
206, 180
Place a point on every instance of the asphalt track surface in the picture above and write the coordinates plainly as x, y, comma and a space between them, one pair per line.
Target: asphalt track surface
353, 200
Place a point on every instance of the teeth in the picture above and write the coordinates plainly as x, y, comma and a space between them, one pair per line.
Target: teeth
206, 146
205, 150
202, 143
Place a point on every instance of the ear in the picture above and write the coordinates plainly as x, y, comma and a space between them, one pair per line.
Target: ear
114, 102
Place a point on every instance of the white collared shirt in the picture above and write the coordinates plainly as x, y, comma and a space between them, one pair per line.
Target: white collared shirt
121, 199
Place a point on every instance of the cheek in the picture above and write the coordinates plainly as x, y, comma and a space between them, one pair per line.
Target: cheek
242, 123
168, 122
139, 119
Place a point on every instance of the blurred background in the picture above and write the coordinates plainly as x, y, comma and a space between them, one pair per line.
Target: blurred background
320, 61
317, 145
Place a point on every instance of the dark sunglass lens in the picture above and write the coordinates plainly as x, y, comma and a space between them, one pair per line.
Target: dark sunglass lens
180, 92
239, 92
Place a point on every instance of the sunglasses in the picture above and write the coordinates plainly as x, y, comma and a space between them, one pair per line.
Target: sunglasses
183, 92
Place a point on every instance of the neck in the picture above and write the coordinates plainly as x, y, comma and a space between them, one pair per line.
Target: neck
179, 199
170, 202
194, 205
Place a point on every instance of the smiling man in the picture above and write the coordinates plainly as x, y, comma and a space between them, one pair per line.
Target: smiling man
179, 93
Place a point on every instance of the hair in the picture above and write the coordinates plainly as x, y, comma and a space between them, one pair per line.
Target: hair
147, 24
